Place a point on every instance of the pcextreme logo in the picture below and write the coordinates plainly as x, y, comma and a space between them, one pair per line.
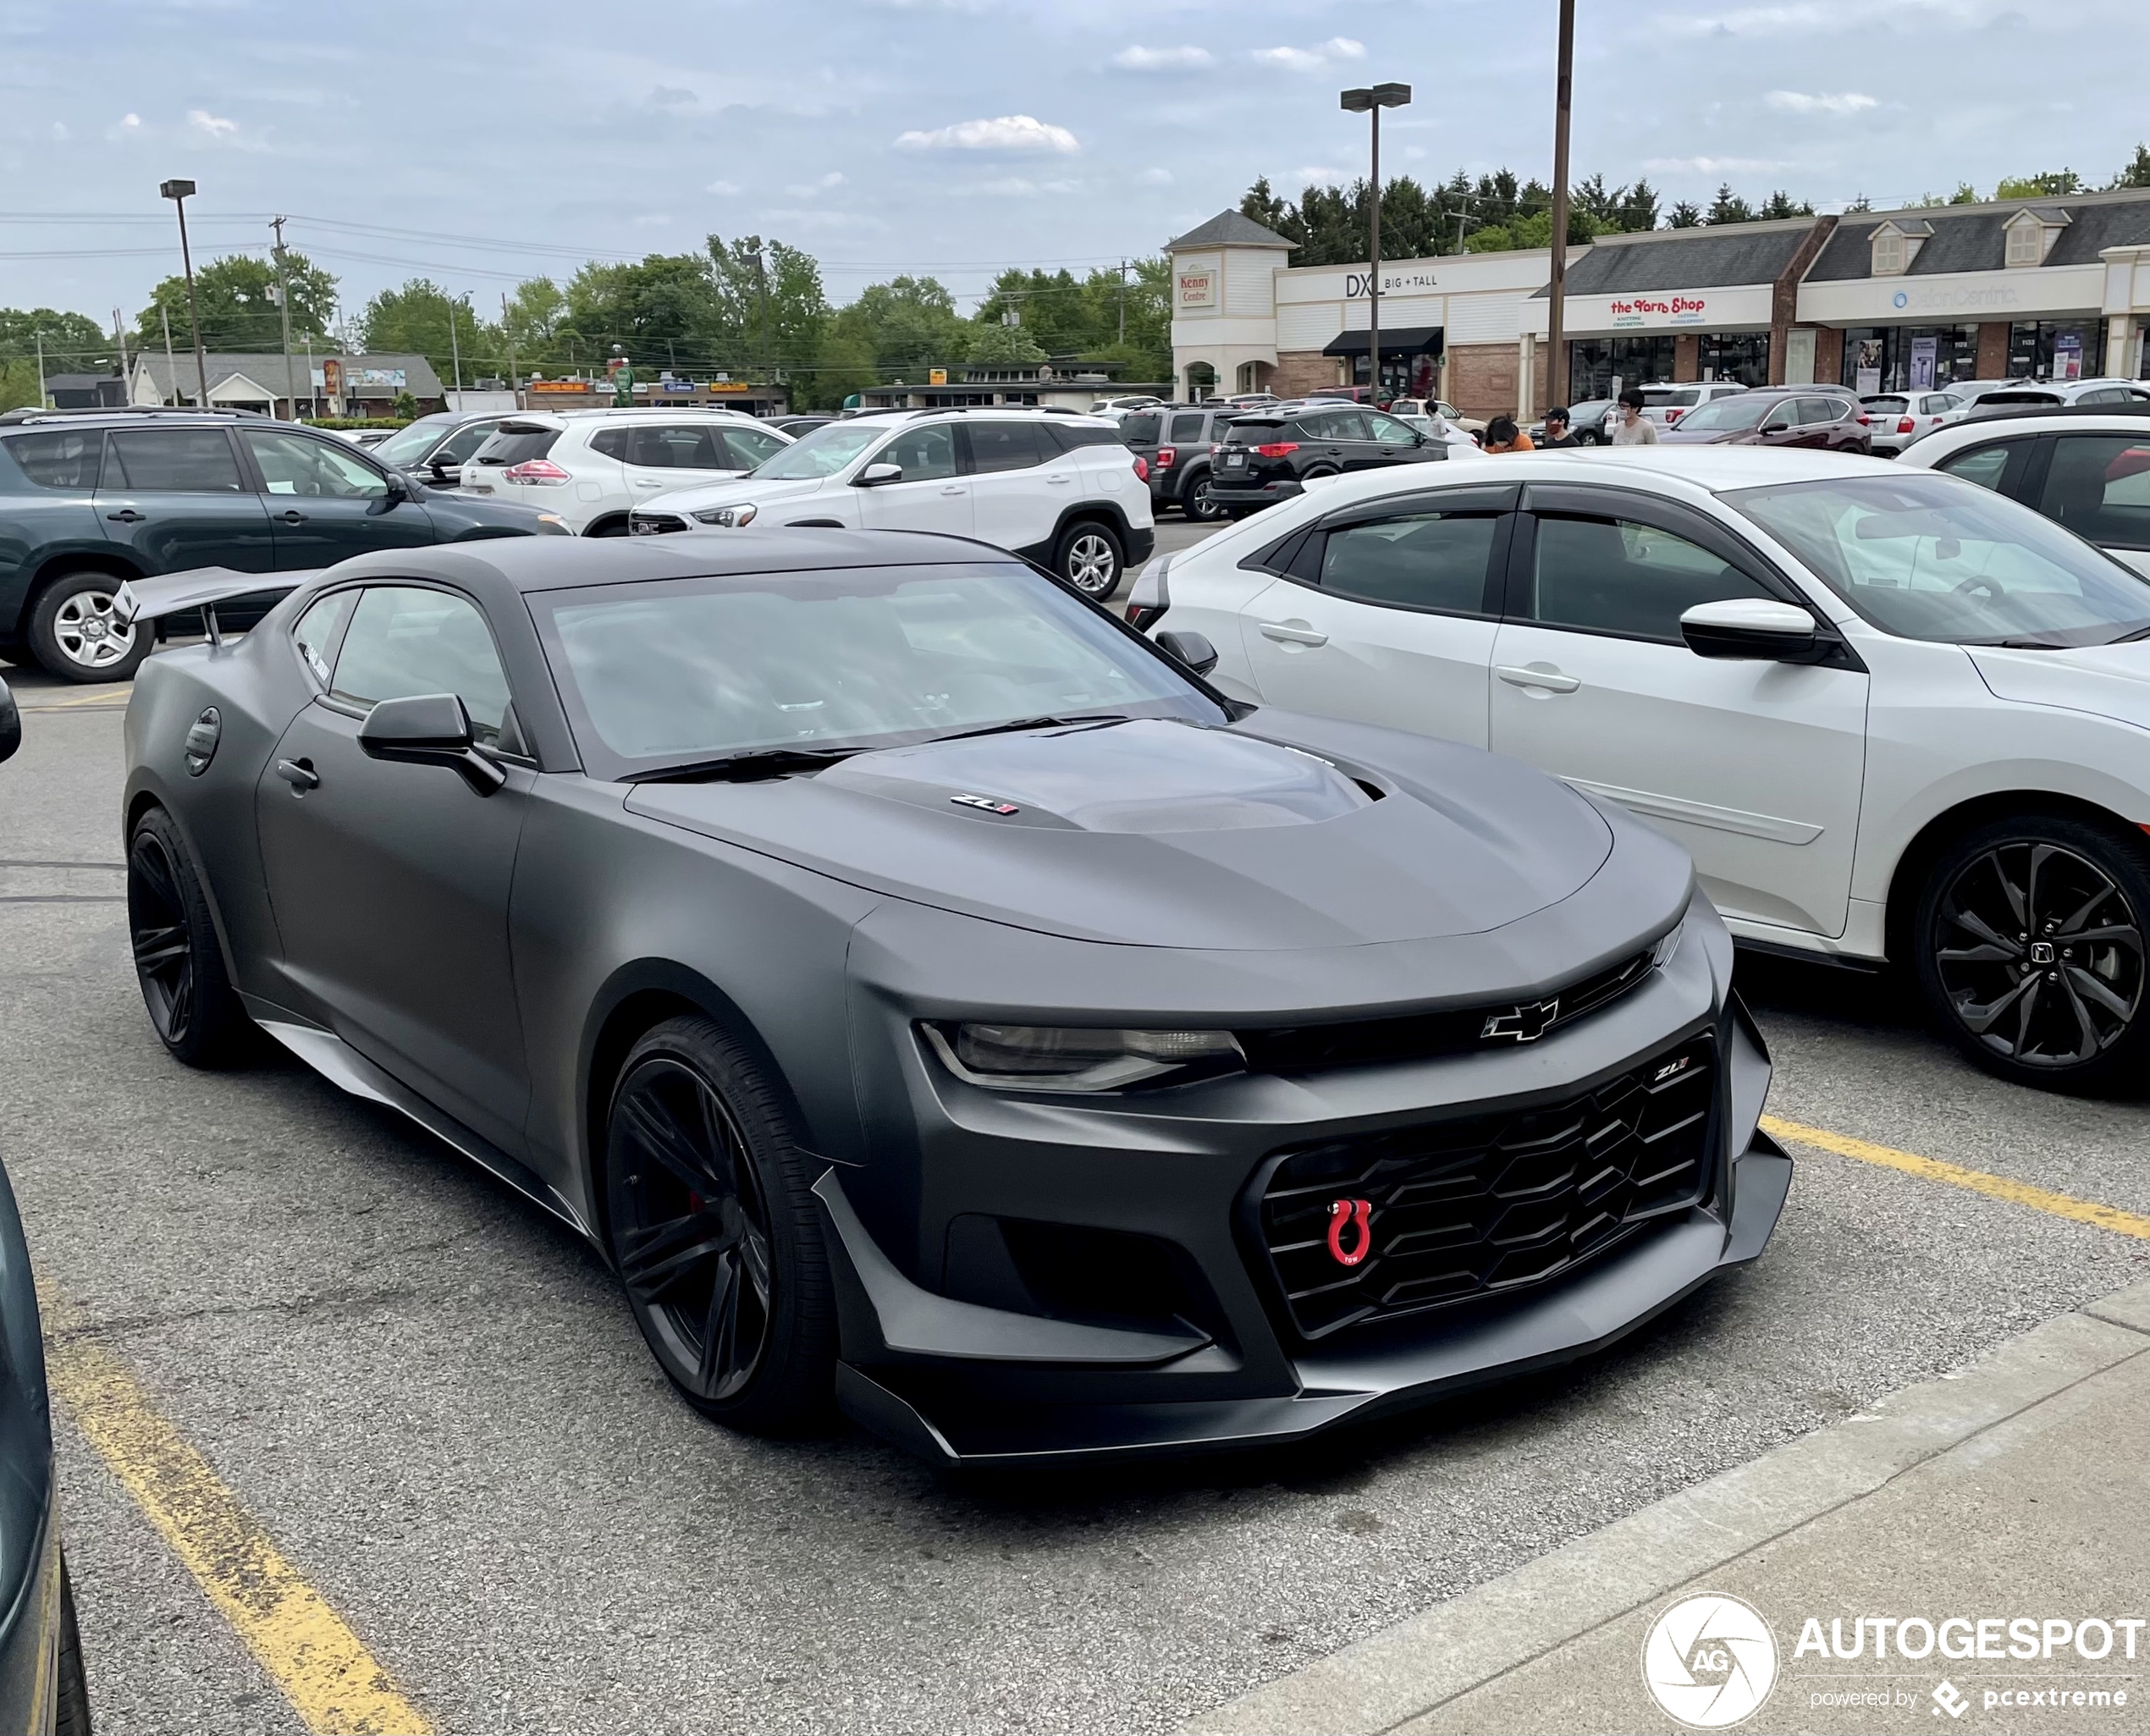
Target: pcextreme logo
1710, 1660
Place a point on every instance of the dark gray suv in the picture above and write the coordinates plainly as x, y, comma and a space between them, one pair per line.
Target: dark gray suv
1178, 442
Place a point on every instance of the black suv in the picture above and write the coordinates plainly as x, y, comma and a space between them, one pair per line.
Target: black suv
1179, 443
89, 501
1268, 455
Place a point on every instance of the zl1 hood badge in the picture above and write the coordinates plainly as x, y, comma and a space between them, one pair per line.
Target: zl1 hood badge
1352, 1216
986, 804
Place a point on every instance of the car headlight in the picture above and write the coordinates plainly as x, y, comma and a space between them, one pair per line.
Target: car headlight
1061, 1058
731, 517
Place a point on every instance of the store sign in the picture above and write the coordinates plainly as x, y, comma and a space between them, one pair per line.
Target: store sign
1197, 289
1925, 353
392, 378
580, 386
1357, 283
332, 376
936, 377
1628, 311
727, 385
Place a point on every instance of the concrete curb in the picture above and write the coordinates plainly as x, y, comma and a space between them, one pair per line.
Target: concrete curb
1395, 1676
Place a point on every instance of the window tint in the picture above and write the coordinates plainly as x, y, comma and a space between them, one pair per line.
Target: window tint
1813, 411
928, 454
1342, 425
316, 634
2099, 486
997, 446
750, 446
1070, 435
1388, 430
463, 443
1938, 404
518, 442
1423, 560
1616, 576
174, 461
405, 641
1187, 429
609, 443
1886, 407
1140, 430
62, 459
291, 463
1982, 465
1261, 433
2105, 395
660, 447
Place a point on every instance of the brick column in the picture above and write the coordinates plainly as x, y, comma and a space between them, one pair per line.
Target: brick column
1993, 350
1828, 356
1687, 355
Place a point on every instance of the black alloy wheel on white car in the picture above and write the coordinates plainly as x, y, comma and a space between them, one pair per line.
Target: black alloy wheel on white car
2033, 951
1088, 557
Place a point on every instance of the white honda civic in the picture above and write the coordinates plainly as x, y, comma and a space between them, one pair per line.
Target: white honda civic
1892, 715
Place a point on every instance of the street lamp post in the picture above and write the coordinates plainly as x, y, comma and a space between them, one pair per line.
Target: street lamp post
1371, 101
178, 192
1557, 287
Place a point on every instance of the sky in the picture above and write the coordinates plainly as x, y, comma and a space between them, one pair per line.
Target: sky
480, 141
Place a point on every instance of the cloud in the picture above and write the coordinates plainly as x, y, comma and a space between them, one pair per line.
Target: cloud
1800, 102
1012, 187
1710, 165
653, 219
1009, 132
722, 187
1747, 21
672, 97
1317, 176
808, 190
213, 126
1184, 59
1154, 177
59, 130
130, 121
1311, 59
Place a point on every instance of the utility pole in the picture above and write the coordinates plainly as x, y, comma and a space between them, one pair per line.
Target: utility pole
119, 337
1555, 306
42, 404
455, 354
508, 331
761, 271
1123, 301
178, 192
171, 368
283, 303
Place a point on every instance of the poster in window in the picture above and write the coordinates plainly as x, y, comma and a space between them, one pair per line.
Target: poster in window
1925, 352
2068, 355
1866, 367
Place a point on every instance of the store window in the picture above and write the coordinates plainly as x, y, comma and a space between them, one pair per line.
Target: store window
1603, 367
1908, 358
1743, 356
2056, 350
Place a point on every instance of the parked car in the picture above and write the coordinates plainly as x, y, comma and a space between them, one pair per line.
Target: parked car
1666, 404
2087, 468
1898, 418
435, 448
1825, 416
1115, 408
1059, 490
936, 1001
1971, 391
87, 502
1893, 716
592, 466
1178, 442
796, 425
364, 437
1250, 400
1588, 421
1459, 444
2053, 395
1272, 454
42, 1687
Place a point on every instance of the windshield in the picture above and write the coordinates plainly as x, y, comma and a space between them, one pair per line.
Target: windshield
1931, 557
1725, 415
820, 452
407, 445
671, 672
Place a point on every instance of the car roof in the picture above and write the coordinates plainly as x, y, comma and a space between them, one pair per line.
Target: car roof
121, 415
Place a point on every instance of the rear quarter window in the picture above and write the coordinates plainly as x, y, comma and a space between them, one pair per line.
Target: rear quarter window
66, 458
520, 445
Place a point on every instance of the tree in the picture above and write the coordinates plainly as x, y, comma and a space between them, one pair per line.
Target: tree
73, 342
530, 324
2049, 184
1727, 207
1004, 346
236, 296
1779, 205
2136, 173
1265, 208
651, 309
906, 325
415, 320
1686, 215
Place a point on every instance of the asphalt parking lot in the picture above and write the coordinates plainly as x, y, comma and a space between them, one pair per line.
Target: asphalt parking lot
434, 1400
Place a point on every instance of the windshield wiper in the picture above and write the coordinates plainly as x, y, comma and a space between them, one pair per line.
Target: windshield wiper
745, 767
1015, 724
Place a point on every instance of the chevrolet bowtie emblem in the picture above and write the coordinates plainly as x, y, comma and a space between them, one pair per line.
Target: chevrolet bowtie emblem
1526, 1023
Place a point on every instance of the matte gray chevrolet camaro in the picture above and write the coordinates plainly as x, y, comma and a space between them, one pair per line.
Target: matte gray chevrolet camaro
929, 994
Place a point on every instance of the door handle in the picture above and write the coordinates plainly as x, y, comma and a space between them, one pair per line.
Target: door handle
955, 490
1058, 481
1551, 680
299, 774
292, 516
648, 482
1287, 635
127, 516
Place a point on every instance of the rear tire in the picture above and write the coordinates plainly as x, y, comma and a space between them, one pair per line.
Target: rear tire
1089, 558
74, 636
2033, 950
1196, 502
177, 959
72, 1713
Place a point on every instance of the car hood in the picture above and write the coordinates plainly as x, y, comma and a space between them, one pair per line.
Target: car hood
2107, 680
707, 494
1155, 832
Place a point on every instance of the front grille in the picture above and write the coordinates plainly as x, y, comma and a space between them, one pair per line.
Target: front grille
1485, 1203
1306, 1049
653, 524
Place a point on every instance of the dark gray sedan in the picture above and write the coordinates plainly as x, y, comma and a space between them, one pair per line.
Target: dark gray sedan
934, 998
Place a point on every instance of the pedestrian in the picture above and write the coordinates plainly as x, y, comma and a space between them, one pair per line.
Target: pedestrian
1556, 432
1635, 428
1502, 435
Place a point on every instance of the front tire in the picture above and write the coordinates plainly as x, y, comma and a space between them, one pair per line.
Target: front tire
71, 1714
1089, 558
2031, 951
177, 960
715, 1231
73, 633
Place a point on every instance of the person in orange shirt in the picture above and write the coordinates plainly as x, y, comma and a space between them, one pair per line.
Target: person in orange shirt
1502, 435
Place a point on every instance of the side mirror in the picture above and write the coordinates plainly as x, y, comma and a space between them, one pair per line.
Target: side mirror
10, 724
1753, 627
399, 489
1777, 425
1191, 649
429, 729
876, 475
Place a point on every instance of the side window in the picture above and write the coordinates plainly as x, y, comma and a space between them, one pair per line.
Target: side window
1343, 425
2098, 485
1614, 575
292, 464
171, 460
673, 448
1983, 465
928, 454
1420, 560
1813, 411
610, 443
64, 459
749, 446
1187, 430
463, 443
998, 446
404, 641
317, 629
1388, 430
1938, 404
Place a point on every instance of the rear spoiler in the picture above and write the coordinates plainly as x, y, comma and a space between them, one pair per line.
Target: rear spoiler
201, 587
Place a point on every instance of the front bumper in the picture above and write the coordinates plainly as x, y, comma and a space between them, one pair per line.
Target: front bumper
948, 1352
30, 1639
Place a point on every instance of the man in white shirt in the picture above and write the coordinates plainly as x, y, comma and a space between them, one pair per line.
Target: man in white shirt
1635, 429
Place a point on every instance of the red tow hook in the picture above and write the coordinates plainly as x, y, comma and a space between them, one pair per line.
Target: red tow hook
1350, 1214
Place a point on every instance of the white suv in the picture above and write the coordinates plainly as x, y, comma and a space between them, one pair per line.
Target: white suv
1665, 405
1059, 490
591, 466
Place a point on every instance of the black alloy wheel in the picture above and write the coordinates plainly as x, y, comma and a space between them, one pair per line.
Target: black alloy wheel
1196, 502
2033, 951
177, 959
716, 1232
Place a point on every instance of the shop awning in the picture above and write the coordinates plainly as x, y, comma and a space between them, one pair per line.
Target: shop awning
1404, 340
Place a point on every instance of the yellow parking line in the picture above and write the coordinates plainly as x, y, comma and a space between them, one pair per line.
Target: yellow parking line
103, 695
2060, 1205
325, 1671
